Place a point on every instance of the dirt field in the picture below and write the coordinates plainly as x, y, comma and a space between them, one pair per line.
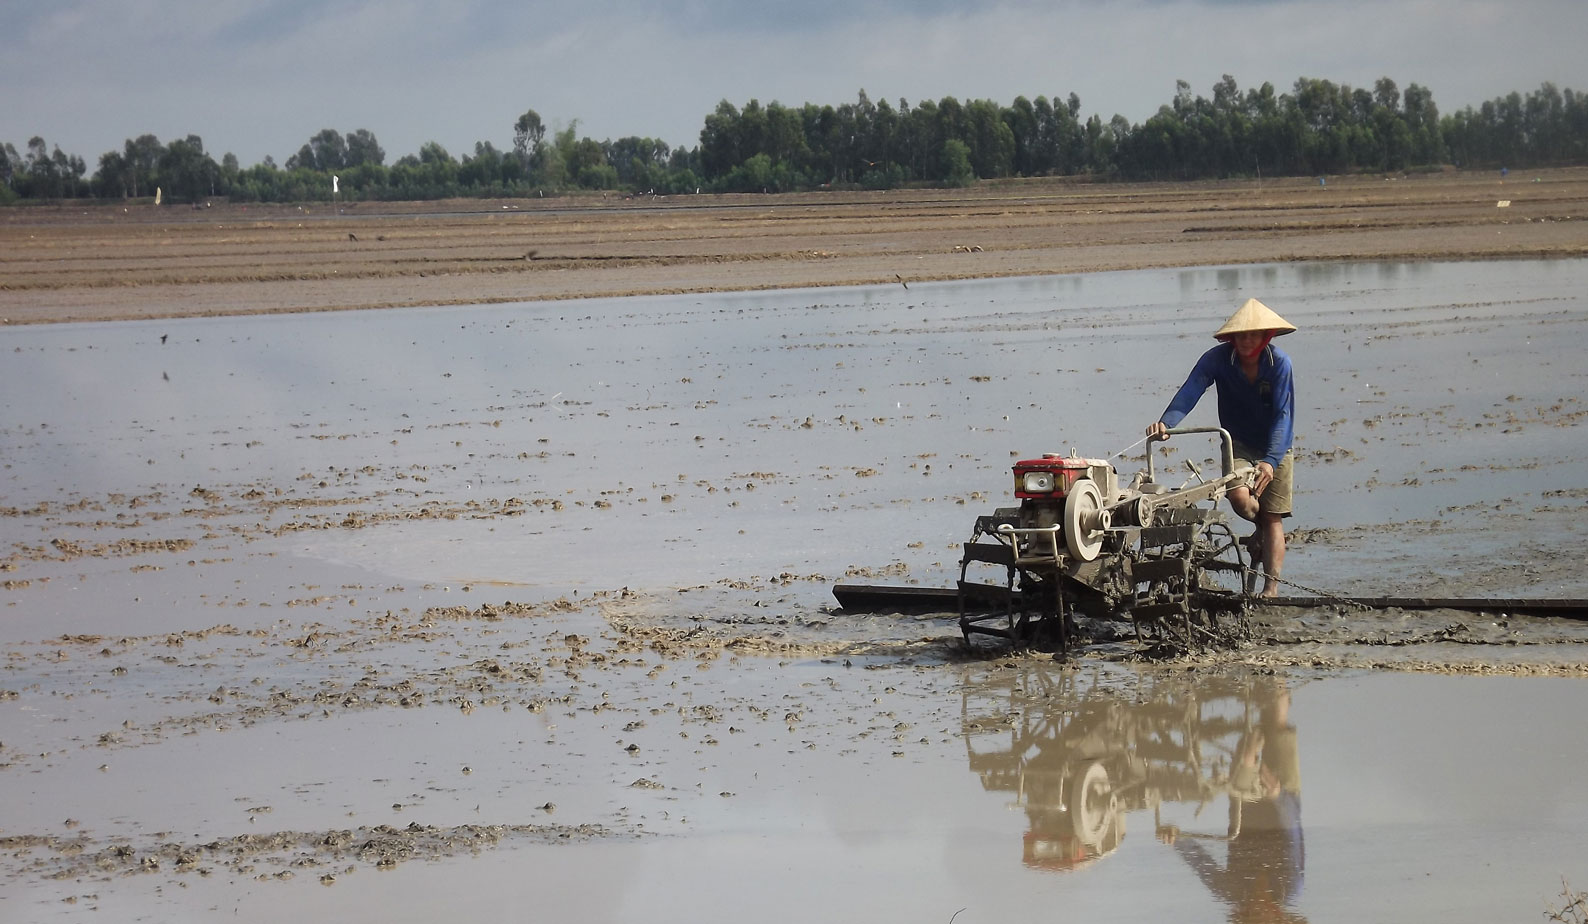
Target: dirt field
72, 263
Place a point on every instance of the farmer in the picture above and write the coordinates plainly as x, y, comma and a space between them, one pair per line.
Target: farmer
1257, 406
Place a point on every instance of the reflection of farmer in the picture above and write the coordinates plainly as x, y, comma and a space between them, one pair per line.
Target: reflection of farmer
1263, 871
1256, 405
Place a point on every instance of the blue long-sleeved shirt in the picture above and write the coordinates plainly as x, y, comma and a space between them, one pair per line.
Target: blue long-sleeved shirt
1259, 415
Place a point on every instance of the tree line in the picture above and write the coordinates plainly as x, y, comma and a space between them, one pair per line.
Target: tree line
538, 163
1317, 128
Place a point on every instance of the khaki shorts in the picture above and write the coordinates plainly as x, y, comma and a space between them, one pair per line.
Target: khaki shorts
1276, 497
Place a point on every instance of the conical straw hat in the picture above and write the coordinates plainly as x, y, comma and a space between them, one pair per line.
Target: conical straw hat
1254, 315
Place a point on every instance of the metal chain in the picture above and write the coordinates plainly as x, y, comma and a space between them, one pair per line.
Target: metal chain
1337, 598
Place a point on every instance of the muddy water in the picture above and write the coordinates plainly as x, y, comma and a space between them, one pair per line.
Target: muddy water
417, 612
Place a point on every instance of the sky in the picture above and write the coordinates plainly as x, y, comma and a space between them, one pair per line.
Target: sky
261, 77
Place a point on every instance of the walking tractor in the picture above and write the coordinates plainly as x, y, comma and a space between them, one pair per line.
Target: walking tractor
1163, 558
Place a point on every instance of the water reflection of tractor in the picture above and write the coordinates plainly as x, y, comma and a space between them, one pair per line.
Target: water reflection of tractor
1079, 757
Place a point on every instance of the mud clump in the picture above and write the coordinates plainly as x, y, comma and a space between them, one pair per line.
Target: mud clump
246, 855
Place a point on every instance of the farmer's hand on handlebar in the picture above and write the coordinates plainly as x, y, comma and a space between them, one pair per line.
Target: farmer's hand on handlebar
1264, 477
1158, 431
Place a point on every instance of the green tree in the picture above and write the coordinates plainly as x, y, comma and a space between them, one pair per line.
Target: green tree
230, 170
556, 168
431, 152
751, 129
529, 133
719, 141
50, 174
326, 151
584, 158
430, 174
11, 164
362, 148
598, 176
951, 122
1021, 118
142, 156
1387, 95
956, 169
992, 144
754, 175
366, 181
1422, 120
79, 168
187, 171
482, 173
884, 142
640, 163
784, 136
919, 145
43, 181
110, 180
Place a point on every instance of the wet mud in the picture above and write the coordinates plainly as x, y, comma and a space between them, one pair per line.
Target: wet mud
376, 609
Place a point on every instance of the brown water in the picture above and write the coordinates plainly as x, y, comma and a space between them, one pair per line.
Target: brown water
247, 571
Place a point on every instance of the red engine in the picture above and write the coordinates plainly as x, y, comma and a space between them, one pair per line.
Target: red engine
1043, 485
1050, 477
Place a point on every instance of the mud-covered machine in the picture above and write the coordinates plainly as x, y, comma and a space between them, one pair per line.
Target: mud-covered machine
1164, 558
1161, 558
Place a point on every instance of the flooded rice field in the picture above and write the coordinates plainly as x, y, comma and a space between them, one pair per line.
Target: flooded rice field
527, 609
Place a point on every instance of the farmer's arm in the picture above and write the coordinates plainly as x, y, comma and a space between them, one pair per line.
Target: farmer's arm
1196, 384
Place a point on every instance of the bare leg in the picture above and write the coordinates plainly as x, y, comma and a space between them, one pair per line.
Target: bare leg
1269, 538
1271, 529
1243, 503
